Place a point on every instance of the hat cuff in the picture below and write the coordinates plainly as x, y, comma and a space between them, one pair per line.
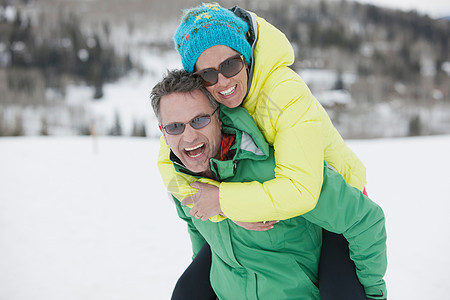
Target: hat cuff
208, 38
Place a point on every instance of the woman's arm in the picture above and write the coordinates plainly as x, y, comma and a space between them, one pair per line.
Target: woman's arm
289, 120
177, 184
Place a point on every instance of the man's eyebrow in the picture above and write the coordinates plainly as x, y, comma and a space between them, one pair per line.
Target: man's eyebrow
201, 115
197, 116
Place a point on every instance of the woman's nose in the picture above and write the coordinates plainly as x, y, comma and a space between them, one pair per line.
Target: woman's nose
222, 80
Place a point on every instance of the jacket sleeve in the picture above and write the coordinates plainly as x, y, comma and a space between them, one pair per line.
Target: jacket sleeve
340, 156
345, 210
197, 239
291, 122
178, 184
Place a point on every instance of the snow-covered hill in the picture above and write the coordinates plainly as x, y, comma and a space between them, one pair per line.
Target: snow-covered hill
83, 219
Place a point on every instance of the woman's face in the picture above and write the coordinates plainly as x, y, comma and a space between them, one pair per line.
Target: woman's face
228, 91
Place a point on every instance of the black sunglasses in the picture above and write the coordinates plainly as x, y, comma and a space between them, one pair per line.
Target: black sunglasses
228, 68
196, 123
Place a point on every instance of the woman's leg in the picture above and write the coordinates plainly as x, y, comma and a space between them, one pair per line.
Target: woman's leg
194, 283
337, 272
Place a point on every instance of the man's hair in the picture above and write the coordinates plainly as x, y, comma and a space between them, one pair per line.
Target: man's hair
178, 81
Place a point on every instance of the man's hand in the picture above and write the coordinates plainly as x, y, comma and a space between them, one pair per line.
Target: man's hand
206, 201
257, 226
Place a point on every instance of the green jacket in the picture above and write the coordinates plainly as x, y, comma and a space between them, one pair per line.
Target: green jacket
282, 263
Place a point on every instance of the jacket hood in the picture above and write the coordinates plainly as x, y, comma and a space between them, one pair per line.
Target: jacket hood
270, 51
251, 38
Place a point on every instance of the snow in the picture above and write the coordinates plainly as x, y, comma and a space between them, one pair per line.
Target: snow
434, 8
90, 219
78, 224
334, 97
319, 80
129, 97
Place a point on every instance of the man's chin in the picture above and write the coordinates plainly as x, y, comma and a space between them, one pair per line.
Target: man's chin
195, 168
202, 172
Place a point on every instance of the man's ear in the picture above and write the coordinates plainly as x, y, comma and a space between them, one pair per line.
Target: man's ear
218, 117
163, 132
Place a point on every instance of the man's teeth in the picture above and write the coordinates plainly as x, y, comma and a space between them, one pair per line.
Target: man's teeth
193, 148
194, 151
196, 155
228, 91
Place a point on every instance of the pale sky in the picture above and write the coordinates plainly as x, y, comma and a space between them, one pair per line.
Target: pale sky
435, 8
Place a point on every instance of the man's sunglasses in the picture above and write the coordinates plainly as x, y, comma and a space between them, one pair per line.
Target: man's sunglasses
196, 123
228, 68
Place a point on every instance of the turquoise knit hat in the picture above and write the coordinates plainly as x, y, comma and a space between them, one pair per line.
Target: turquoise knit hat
208, 25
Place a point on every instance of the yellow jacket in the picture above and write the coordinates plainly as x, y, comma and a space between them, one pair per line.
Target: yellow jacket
299, 129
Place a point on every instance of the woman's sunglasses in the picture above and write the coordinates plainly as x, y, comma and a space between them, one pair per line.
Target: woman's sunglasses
196, 123
228, 68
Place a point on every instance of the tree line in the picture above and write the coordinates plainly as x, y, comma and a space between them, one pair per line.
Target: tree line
399, 46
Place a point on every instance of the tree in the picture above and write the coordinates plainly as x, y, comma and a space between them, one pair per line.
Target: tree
339, 84
116, 130
18, 129
44, 127
139, 129
415, 126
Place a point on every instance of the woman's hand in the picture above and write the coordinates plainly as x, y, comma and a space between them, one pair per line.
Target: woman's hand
206, 205
257, 226
206, 201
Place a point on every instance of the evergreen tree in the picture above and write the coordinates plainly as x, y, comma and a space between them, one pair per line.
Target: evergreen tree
18, 129
415, 126
339, 84
116, 130
139, 129
44, 127
2, 127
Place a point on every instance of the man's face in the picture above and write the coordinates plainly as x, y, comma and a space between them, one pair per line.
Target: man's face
194, 147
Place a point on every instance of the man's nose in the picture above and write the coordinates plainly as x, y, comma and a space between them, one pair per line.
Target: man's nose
189, 134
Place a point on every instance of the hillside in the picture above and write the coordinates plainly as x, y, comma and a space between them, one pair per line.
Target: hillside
379, 72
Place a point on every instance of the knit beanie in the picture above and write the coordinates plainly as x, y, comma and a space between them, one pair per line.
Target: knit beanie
209, 25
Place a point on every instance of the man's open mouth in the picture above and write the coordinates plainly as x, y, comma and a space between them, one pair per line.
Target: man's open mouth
196, 151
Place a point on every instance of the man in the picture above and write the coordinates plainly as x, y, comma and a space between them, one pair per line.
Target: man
282, 263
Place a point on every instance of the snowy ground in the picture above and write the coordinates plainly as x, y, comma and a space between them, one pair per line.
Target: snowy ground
84, 220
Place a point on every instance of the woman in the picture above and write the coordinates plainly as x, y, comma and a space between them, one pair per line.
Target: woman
280, 103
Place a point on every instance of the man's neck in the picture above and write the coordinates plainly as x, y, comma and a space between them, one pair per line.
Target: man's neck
207, 174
